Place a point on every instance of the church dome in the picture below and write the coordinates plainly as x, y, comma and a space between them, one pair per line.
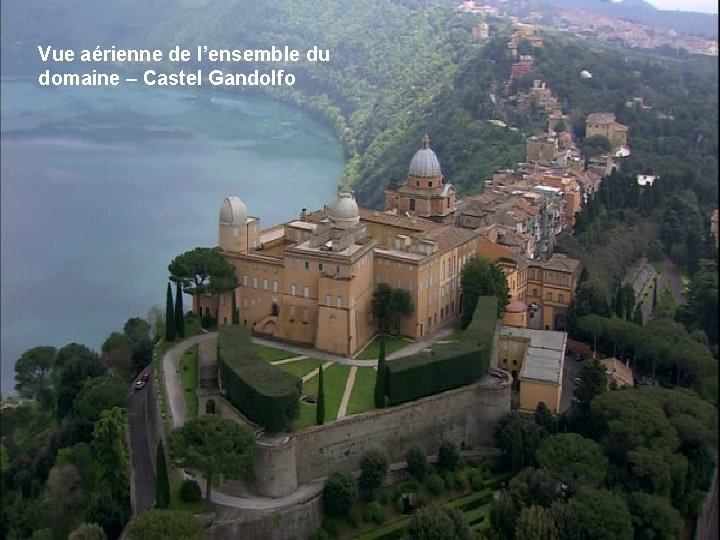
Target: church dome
345, 209
425, 163
233, 211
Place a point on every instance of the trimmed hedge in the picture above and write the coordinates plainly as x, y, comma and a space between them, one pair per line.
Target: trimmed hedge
452, 365
263, 393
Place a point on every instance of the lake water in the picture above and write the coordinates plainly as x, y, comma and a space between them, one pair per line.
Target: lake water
102, 187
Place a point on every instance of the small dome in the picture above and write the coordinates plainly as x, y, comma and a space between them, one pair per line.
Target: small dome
233, 211
425, 163
345, 209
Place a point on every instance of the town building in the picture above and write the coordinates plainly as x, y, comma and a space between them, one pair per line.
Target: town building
604, 124
536, 360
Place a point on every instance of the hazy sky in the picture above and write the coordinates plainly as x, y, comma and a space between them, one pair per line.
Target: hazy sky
706, 6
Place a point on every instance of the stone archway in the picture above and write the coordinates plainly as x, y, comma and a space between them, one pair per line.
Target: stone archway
210, 407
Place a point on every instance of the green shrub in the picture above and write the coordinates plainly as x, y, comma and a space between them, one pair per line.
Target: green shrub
263, 393
449, 458
190, 491
331, 526
475, 477
422, 502
461, 482
384, 498
453, 365
416, 463
373, 470
435, 484
339, 493
449, 479
353, 517
373, 513
409, 485
320, 534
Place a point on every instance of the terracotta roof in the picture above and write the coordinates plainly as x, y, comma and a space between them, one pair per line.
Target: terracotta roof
448, 238
561, 262
415, 223
493, 252
600, 118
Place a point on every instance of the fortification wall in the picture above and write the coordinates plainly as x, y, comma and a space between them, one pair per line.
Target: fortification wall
296, 522
465, 416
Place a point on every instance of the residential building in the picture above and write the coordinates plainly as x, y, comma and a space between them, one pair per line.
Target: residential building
536, 359
604, 124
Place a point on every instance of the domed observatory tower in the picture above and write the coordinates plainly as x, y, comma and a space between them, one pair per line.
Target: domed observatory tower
344, 212
425, 193
238, 233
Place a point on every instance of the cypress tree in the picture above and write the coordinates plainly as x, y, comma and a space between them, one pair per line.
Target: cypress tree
169, 316
179, 315
629, 302
320, 405
162, 483
654, 298
619, 304
638, 315
235, 311
380, 377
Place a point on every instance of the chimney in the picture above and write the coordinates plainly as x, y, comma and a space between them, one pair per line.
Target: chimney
303, 214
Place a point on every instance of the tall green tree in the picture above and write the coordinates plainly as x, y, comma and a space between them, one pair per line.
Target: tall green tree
536, 523
214, 445
32, 370
381, 377
575, 459
389, 306
203, 270
179, 313
169, 316
638, 315
603, 515
481, 278
438, 523
162, 484
320, 405
235, 310
112, 470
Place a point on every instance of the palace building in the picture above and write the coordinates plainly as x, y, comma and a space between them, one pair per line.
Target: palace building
310, 281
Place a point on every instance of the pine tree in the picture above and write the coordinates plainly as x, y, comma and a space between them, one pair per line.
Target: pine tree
638, 315
320, 405
169, 316
380, 377
162, 484
179, 315
235, 311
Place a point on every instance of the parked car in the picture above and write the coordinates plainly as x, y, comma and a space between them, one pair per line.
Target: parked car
139, 385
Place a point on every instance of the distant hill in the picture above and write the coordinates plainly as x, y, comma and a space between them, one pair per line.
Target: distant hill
685, 22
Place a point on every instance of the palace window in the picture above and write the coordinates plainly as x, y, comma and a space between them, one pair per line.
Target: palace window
548, 296
244, 281
320, 267
412, 204
265, 284
307, 265
339, 301
306, 292
292, 289
305, 316
561, 297
328, 299
254, 283
275, 286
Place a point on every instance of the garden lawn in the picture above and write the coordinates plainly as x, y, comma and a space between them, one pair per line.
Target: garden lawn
301, 367
188, 366
362, 397
176, 503
392, 344
334, 379
271, 354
